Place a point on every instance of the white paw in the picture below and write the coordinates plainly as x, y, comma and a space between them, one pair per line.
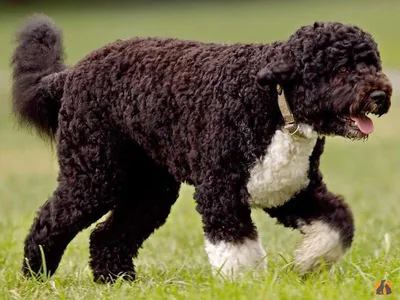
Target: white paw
232, 259
320, 242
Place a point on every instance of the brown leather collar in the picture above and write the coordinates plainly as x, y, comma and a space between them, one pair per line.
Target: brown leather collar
290, 123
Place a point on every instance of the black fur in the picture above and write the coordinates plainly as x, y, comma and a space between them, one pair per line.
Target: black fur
134, 119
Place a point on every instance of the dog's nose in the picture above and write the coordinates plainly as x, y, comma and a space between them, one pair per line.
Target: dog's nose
378, 96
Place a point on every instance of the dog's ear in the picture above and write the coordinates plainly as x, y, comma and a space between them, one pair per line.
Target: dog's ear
277, 71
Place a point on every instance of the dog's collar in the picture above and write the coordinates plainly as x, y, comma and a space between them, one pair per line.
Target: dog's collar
290, 124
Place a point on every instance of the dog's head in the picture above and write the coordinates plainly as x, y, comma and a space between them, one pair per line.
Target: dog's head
332, 77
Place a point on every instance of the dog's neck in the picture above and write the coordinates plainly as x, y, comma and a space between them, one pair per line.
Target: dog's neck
270, 51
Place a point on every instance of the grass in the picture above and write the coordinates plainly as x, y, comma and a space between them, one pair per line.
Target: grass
172, 264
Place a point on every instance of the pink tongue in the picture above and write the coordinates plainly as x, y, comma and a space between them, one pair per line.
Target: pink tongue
364, 123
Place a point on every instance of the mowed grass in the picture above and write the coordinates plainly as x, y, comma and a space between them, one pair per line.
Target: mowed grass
172, 263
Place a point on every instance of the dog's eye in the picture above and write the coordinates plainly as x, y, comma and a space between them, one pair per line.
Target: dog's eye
342, 70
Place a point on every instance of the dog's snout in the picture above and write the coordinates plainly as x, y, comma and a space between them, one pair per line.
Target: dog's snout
378, 96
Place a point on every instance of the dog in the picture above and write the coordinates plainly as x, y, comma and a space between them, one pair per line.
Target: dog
245, 124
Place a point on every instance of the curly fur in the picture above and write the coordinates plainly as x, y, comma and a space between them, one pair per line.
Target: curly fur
136, 118
284, 169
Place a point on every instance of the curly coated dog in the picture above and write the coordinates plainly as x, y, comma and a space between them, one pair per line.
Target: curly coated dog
245, 124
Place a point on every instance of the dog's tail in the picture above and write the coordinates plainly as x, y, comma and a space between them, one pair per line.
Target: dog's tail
38, 74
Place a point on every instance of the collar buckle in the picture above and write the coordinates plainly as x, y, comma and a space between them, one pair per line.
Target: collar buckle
292, 128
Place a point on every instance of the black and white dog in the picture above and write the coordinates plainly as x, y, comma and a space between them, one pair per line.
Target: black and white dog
244, 123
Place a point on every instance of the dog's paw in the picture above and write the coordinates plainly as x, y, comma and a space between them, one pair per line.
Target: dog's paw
235, 259
320, 243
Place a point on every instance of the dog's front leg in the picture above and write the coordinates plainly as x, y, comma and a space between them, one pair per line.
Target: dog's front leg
325, 222
231, 240
323, 218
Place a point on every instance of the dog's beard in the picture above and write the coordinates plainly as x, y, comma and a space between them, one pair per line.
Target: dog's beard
355, 134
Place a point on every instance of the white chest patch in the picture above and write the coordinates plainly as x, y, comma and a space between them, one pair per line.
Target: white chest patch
283, 171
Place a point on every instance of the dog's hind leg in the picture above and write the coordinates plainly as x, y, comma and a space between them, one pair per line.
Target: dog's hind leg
88, 186
144, 206
324, 220
231, 240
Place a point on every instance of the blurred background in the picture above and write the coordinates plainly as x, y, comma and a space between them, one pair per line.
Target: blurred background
90, 24
366, 173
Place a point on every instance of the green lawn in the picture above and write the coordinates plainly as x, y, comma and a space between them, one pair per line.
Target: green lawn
173, 263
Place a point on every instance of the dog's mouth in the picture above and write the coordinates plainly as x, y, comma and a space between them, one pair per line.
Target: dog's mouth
359, 124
